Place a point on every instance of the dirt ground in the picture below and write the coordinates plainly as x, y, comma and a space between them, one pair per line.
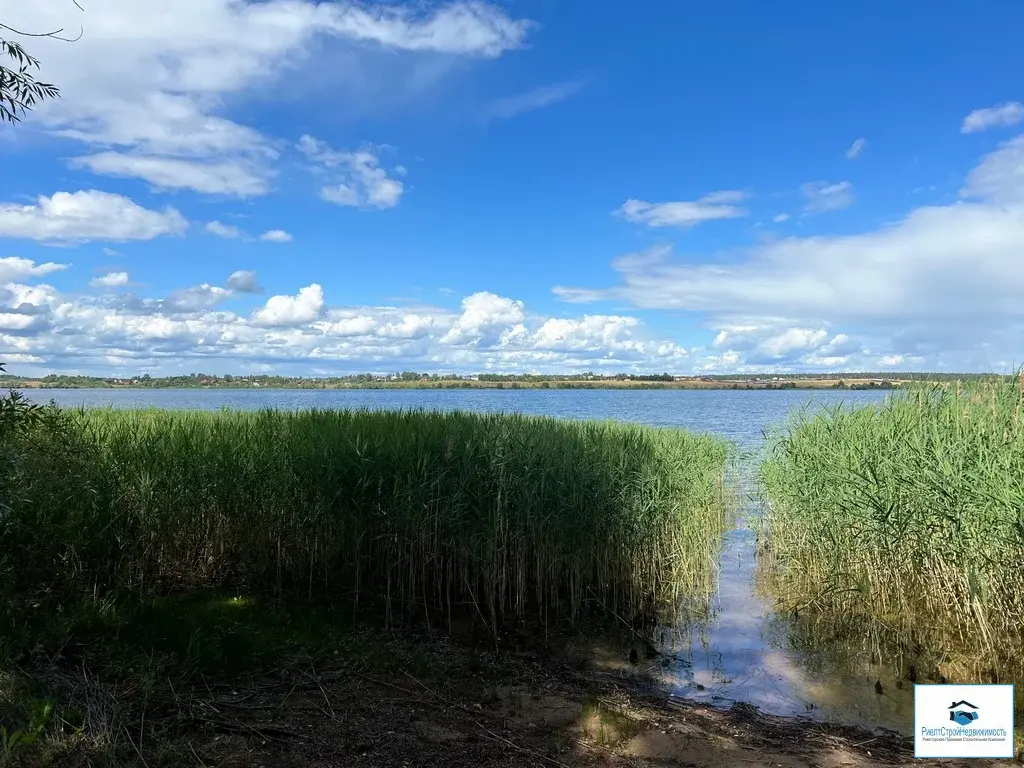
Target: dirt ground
491, 709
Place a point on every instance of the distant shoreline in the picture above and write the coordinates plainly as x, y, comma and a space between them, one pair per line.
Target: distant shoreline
852, 384
413, 380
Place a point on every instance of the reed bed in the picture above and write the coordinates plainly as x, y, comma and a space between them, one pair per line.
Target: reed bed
501, 516
908, 518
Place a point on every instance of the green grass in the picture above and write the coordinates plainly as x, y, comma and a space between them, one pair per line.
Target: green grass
500, 515
908, 519
147, 555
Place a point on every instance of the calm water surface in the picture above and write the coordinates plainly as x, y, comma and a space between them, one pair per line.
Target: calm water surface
745, 652
738, 415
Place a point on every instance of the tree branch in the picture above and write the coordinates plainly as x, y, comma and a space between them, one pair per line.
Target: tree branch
55, 34
19, 90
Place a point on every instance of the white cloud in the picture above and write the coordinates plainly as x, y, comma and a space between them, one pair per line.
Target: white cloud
153, 88
484, 316
538, 98
224, 230
13, 269
196, 299
999, 116
717, 205
999, 177
856, 149
941, 285
579, 295
87, 215
822, 196
349, 323
772, 343
243, 281
188, 331
363, 183
410, 326
779, 218
783, 344
472, 28
110, 280
168, 173
276, 236
612, 335
303, 308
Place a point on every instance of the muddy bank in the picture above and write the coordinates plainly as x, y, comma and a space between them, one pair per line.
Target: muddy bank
457, 707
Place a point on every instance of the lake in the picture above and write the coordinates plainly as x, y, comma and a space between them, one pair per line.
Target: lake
737, 415
746, 652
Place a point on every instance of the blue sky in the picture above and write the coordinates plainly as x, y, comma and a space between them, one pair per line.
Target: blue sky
542, 185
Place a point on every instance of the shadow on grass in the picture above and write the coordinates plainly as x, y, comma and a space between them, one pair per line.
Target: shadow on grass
76, 679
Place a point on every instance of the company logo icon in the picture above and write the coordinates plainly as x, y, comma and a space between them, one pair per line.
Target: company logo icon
963, 712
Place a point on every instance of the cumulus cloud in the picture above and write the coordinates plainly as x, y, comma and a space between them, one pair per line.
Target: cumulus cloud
411, 326
717, 205
305, 307
856, 148
13, 269
244, 281
593, 334
361, 182
822, 196
196, 298
942, 285
484, 316
779, 218
87, 215
189, 330
110, 280
276, 236
151, 88
999, 116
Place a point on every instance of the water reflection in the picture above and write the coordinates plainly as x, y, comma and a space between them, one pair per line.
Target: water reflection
746, 652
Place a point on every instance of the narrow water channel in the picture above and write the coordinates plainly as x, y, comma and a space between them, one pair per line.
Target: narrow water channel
743, 654
747, 652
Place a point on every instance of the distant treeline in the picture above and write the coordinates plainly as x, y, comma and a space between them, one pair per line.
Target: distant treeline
367, 380
880, 375
589, 376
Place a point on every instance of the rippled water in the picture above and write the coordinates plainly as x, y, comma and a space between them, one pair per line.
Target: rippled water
738, 415
745, 652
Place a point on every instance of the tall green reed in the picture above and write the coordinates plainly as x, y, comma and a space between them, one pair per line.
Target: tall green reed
910, 515
499, 515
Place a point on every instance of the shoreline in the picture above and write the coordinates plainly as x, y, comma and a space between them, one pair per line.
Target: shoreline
462, 707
